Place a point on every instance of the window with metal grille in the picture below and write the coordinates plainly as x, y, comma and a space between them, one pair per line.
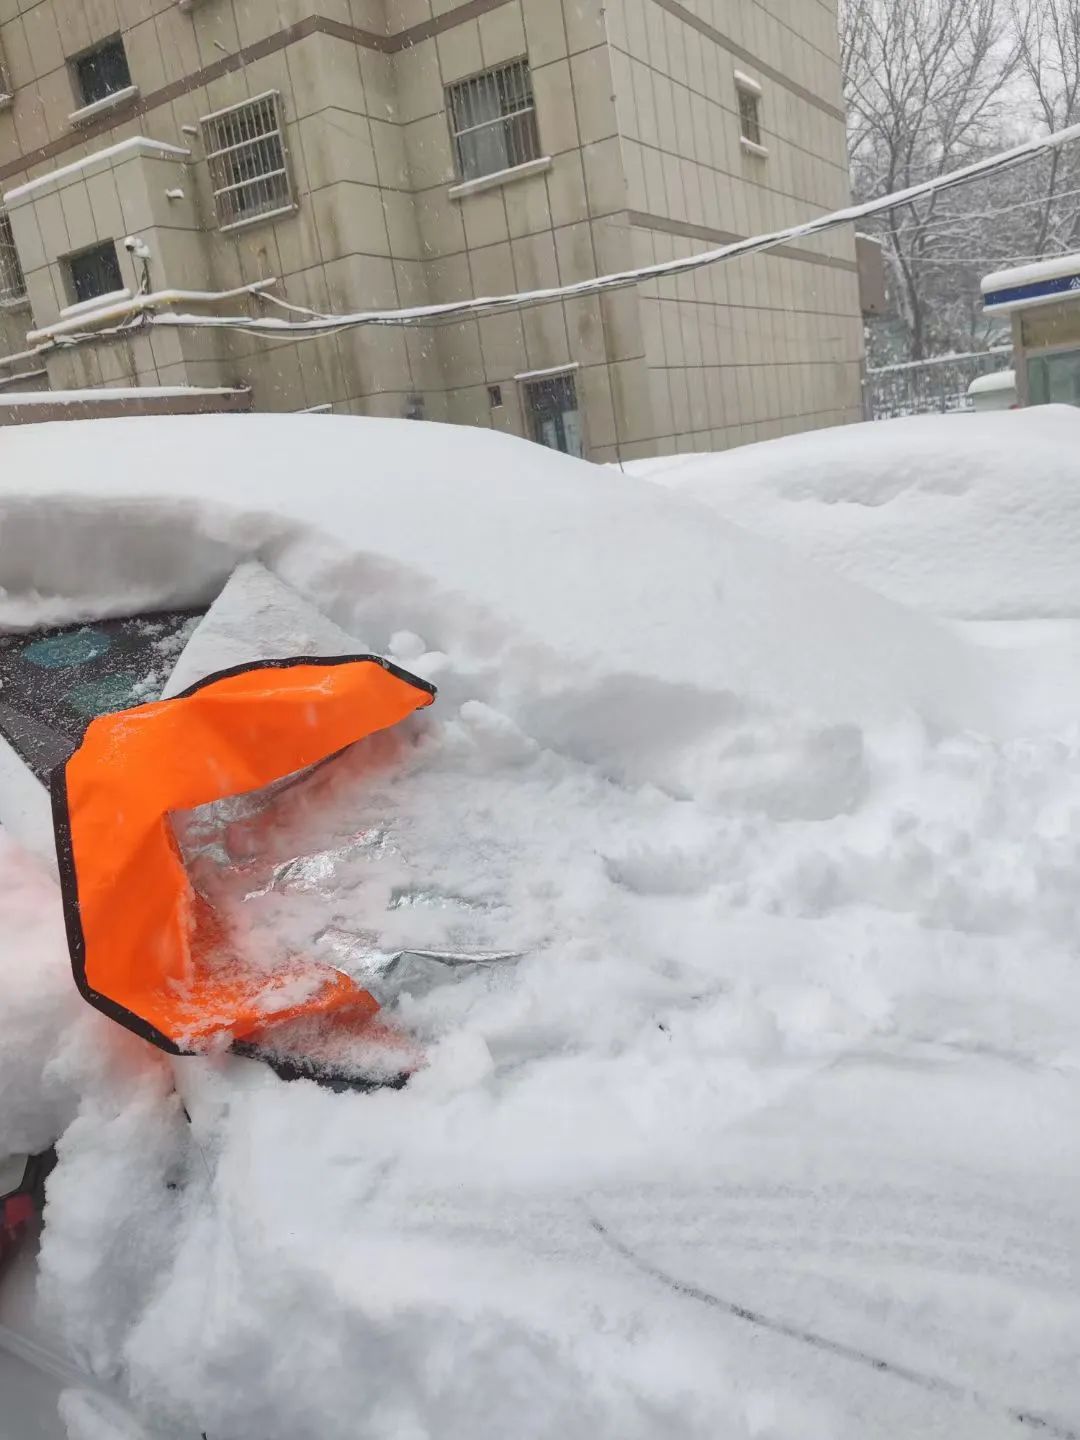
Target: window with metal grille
493, 121
12, 280
94, 272
554, 417
103, 71
750, 116
249, 171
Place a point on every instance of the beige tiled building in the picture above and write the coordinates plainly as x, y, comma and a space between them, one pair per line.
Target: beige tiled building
375, 154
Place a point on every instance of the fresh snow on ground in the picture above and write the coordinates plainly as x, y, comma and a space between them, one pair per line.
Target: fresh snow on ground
970, 516
770, 1131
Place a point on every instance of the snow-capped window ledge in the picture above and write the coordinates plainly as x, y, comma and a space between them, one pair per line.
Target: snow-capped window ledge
6, 100
551, 370
751, 148
747, 82
15, 302
98, 302
20, 378
264, 215
114, 101
500, 177
118, 392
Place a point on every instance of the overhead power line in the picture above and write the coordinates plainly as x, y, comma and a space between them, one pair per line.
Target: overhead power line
461, 309
998, 262
74, 332
941, 224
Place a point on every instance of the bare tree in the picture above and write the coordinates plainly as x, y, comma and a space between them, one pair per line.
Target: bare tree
1048, 39
928, 89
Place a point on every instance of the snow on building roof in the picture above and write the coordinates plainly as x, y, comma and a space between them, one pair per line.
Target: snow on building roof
1031, 284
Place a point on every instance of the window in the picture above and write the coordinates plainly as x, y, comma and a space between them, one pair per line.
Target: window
102, 72
552, 407
748, 92
495, 397
12, 281
493, 121
750, 117
93, 273
6, 96
1055, 379
248, 171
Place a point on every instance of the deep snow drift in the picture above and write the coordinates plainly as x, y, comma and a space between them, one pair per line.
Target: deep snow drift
794, 1029
490, 549
970, 516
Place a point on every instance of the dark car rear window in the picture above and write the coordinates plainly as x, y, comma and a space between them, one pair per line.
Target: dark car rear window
54, 682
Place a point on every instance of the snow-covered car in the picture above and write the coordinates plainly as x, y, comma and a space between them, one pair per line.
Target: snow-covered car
750, 1106
993, 392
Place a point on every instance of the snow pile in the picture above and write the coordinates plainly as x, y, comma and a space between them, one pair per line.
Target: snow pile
972, 517
38, 1003
493, 551
770, 1132
690, 971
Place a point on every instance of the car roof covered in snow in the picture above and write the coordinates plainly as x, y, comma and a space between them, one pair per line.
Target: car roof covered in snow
970, 518
991, 384
585, 588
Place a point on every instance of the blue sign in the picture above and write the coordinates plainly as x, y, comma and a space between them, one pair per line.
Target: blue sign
1035, 290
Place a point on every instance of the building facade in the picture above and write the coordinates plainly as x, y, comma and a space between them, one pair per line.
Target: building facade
378, 154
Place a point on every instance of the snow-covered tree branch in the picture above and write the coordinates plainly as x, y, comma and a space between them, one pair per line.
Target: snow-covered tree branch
932, 84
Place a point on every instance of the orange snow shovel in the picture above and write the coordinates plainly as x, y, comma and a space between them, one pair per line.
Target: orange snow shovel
146, 948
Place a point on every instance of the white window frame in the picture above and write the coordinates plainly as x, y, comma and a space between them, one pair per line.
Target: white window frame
749, 89
7, 90
215, 151
457, 100
12, 279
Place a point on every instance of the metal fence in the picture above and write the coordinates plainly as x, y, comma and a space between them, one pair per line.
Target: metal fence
12, 281
928, 387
